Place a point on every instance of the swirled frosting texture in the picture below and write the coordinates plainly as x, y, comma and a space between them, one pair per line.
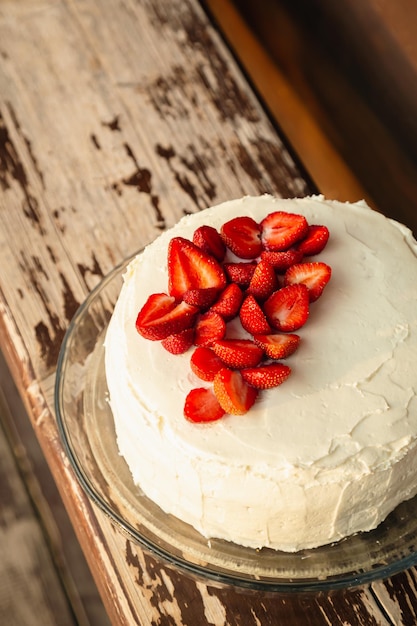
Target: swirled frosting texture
330, 452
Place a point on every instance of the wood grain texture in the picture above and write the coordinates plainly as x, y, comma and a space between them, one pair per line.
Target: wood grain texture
30, 593
49, 528
108, 134
116, 118
293, 111
355, 63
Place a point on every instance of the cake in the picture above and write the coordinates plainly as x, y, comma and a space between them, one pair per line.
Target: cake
329, 452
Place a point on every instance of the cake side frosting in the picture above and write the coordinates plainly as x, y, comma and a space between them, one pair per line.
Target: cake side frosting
322, 456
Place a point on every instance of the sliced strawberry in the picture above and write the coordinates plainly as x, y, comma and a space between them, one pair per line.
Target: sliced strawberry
281, 230
315, 240
240, 272
201, 405
210, 327
238, 353
161, 316
288, 308
263, 281
201, 298
242, 235
233, 393
205, 363
178, 343
208, 239
266, 376
189, 267
253, 318
228, 303
278, 345
282, 260
314, 276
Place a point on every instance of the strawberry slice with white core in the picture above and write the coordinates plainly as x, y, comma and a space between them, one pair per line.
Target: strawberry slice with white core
314, 275
278, 345
234, 394
252, 317
281, 230
189, 267
242, 235
288, 308
161, 316
266, 376
315, 240
201, 405
238, 353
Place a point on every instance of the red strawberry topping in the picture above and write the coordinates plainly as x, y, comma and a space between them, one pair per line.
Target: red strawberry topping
229, 301
201, 405
281, 230
266, 376
205, 363
288, 308
242, 235
282, 260
161, 316
211, 302
278, 345
209, 327
253, 318
178, 343
315, 240
263, 282
240, 273
201, 298
233, 393
238, 353
189, 267
314, 276
208, 239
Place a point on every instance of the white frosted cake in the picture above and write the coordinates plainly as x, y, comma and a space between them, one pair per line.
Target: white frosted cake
327, 453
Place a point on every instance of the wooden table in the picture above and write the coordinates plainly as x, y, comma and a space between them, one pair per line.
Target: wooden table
116, 118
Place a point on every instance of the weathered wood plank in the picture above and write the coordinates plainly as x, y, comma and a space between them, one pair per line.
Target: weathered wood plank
397, 597
355, 62
30, 590
48, 512
116, 118
108, 134
296, 115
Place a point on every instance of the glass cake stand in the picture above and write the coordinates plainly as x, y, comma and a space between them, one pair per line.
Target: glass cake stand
86, 426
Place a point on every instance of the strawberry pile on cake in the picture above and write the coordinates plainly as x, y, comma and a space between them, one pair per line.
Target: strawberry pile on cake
250, 271
212, 318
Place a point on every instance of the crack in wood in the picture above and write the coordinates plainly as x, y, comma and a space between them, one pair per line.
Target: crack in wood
12, 169
197, 165
193, 33
140, 179
161, 582
162, 93
402, 592
49, 339
94, 269
114, 124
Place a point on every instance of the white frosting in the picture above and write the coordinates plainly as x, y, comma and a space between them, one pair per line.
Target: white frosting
331, 451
